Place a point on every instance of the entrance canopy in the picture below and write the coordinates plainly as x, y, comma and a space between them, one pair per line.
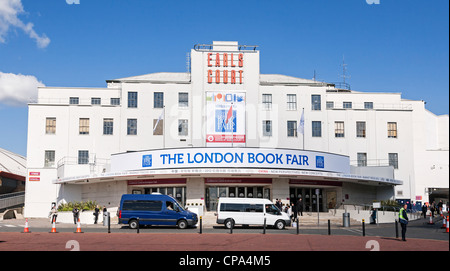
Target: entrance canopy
230, 162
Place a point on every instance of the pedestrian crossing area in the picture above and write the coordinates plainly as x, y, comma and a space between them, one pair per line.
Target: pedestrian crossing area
8, 226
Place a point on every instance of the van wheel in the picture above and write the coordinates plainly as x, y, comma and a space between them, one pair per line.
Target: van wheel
182, 224
133, 224
229, 223
280, 224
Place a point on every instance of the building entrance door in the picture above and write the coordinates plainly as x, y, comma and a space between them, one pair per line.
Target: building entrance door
213, 193
309, 198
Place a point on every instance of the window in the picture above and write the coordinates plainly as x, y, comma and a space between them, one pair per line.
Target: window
292, 128
131, 126
393, 160
50, 125
267, 101
96, 101
362, 159
49, 159
267, 128
339, 129
392, 129
330, 105
74, 100
347, 105
158, 100
368, 105
291, 102
84, 126
360, 129
315, 102
132, 99
142, 205
108, 126
83, 157
115, 101
183, 99
182, 127
316, 129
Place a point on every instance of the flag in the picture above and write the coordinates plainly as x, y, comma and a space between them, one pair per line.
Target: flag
160, 117
301, 124
229, 114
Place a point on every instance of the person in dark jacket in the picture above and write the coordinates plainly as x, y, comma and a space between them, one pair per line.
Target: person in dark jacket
403, 217
424, 210
299, 206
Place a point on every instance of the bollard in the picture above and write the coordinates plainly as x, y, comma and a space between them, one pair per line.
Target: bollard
109, 224
329, 227
137, 228
396, 229
264, 231
231, 227
363, 228
201, 224
298, 225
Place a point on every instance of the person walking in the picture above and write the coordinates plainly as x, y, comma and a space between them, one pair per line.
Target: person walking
299, 206
403, 218
76, 213
424, 210
96, 213
53, 214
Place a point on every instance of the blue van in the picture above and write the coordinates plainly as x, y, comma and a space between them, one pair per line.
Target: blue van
154, 209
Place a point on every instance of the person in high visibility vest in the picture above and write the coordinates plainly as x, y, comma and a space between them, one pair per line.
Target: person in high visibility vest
403, 218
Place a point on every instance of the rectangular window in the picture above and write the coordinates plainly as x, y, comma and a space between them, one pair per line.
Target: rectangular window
291, 102
182, 127
292, 128
316, 102
131, 126
339, 129
83, 157
267, 101
74, 100
132, 99
50, 125
84, 126
347, 105
158, 100
49, 159
368, 105
108, 126
393, 160
360, 129
392, 129
95, 101
330, 105
115, 101
183, 99
316, 128
362, 159
142, 205
267, 128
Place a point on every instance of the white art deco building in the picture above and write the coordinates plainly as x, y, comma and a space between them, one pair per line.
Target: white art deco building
224, 129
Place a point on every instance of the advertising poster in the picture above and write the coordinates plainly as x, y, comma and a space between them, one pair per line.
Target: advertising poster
225, 119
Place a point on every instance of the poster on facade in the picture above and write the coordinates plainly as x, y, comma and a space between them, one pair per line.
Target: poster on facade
225, 119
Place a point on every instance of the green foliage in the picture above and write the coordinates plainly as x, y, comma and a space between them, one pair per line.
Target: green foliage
81, 205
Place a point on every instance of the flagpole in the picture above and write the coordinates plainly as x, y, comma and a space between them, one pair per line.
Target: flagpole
164, 127
232, 126
303, 134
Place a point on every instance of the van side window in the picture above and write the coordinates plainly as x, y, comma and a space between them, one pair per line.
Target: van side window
254, 208
169, 206
142, 205
241, 207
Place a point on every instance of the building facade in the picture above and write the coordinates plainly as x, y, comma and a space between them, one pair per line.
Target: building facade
224, 129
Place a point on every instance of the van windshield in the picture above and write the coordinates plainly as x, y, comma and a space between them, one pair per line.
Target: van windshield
178, 205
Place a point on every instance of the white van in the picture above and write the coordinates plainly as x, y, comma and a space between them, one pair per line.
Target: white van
249, 211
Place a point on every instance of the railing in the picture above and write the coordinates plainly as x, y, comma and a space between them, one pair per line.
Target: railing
370, 163
374, 106
11, 199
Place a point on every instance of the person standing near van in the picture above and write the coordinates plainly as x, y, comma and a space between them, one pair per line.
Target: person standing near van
299, 206
96, 213
403, 218
76, 213
424, 210
53, 214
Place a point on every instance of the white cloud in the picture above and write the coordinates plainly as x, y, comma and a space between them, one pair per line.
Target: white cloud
18, 89
9, 10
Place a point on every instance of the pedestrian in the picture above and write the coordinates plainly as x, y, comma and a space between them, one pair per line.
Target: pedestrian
96, 213
403, 218
373, 216
53, 213
432, 209
294, 212
76, 213
299, 206
424, 210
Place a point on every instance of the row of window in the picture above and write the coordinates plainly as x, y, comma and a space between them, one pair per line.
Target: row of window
94, 101
108, 127
392, 157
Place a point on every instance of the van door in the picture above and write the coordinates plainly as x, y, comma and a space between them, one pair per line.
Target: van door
272, 214
169, 215
254, 214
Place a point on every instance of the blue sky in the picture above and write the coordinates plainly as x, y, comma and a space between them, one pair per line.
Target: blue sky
394, 46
